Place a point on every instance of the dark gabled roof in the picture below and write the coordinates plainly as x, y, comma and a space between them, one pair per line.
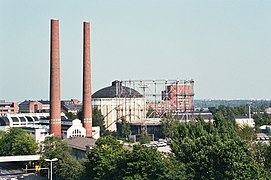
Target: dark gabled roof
26, 102
80, 142
29, 118
44, 101
15, 119
4, 121
22, 119
35, 118
117, 90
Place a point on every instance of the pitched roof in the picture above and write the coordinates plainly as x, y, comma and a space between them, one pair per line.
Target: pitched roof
117, 90
80, 142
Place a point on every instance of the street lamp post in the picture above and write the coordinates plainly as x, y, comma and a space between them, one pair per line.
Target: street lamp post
51, 167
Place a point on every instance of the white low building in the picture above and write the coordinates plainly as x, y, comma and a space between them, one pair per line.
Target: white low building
245, 121
21, 120
76, 129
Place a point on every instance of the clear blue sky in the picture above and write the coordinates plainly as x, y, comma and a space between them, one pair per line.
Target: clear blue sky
225, 46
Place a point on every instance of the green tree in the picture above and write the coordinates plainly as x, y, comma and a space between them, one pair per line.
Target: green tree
262, 119
214, 153
246, 133
123, 128
146, 163
97, 120
268, 131
145, 138
266, 152
151, 113
103, 159
66, 167
71, 116
2, 133
168, 124
260, 152
17, 142
109, 160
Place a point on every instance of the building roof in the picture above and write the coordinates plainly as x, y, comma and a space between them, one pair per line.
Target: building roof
117, 90
4, 121
26, 102
80, 142
44, 102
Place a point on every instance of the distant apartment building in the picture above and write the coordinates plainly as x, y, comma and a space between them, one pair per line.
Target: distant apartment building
29, 106
38, 106
45, 105
176, 98
8, 107
71, 106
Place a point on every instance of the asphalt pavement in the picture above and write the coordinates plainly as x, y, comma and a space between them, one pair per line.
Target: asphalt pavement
11, 171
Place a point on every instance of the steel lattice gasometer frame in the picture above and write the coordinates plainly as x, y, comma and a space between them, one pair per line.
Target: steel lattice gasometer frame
163, 97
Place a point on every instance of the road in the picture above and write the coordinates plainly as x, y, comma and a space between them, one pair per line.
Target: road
11, 171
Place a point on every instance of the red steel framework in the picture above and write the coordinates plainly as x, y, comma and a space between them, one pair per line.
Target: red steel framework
163, 97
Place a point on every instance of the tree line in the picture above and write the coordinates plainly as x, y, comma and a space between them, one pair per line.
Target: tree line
199, 150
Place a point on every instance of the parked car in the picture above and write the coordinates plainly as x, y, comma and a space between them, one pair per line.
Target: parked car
161, 144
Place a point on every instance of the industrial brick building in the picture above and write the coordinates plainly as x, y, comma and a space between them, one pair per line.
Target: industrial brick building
8, 107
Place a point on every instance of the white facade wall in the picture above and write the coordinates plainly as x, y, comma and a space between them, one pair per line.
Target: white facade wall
245, 122
76, 129
95, 132
113, 109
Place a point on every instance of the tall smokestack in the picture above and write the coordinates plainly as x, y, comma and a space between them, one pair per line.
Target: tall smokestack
55, 111
87, 107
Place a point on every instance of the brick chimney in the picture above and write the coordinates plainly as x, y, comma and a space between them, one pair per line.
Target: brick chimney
87, 105
55, 109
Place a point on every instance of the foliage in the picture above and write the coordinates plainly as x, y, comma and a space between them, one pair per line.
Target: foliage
66, 167
144, 163
2, 133
151, 113
123, 128
214, 152
168, 124
259, 151
267, 161
103, 159
268, 131
110, 160
71, 115
17, 142
262, 119
246, 133
230, 112
144, 138
97, 120
108, 140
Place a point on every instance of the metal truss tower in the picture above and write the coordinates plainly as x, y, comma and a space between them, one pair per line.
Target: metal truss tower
165, 97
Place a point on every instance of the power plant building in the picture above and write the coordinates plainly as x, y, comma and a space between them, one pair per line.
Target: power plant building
117, 102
